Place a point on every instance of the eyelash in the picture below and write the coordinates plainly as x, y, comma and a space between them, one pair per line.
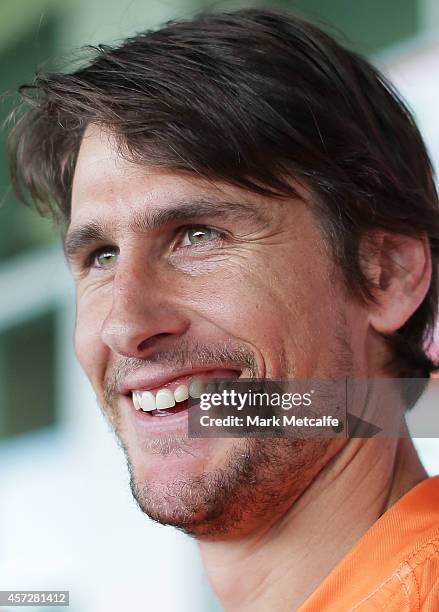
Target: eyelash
91, 257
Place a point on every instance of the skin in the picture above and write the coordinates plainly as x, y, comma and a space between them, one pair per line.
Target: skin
264, 297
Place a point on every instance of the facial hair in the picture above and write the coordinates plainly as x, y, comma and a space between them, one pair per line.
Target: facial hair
260, 477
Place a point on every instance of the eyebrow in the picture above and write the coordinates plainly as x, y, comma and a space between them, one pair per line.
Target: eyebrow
79, 238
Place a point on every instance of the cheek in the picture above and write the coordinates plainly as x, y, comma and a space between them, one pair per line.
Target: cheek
286, 308
277, 313
90, 350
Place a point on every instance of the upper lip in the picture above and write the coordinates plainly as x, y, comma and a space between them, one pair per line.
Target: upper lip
144, 382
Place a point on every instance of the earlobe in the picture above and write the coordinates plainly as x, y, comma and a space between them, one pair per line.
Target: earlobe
399, 269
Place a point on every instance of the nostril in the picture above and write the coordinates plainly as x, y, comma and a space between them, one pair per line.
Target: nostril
149, 343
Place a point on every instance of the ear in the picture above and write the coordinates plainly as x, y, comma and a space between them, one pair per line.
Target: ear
399, 267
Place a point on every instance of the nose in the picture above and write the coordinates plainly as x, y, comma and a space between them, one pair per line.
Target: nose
143, 310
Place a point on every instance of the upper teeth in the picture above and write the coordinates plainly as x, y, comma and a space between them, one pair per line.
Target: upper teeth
165, 398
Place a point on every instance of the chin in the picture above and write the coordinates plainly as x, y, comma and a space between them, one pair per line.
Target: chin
186, 483
187, 502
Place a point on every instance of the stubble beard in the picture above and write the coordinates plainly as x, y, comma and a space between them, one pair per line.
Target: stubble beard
261, 477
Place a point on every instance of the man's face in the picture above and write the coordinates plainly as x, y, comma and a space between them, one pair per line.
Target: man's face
180, 278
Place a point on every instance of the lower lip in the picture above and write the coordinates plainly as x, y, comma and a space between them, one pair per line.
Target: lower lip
174, 421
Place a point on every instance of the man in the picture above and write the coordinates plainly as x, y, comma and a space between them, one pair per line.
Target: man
240, 196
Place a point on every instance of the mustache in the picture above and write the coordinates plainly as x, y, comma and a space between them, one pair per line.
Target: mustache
183, 355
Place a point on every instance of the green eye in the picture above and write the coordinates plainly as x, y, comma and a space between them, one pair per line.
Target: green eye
195, 235
105, 258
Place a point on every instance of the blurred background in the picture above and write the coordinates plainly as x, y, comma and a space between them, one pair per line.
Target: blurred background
67, 520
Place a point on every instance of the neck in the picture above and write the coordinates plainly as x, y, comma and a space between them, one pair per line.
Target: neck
287, 561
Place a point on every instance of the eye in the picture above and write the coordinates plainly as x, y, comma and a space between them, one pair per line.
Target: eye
199, 234
104, 258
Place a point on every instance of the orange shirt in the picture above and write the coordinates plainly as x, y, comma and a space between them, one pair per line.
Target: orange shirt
394, 566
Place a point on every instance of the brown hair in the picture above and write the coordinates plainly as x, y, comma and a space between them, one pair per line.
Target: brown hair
252, 97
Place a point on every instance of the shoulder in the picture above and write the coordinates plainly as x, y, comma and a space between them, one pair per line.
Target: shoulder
413, 586
394, 566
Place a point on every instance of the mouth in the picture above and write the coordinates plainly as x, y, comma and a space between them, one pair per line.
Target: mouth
172, 397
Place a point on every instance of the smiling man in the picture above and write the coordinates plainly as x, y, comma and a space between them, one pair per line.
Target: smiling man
241, 197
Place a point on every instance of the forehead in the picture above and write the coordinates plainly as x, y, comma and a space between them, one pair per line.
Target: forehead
106, 183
